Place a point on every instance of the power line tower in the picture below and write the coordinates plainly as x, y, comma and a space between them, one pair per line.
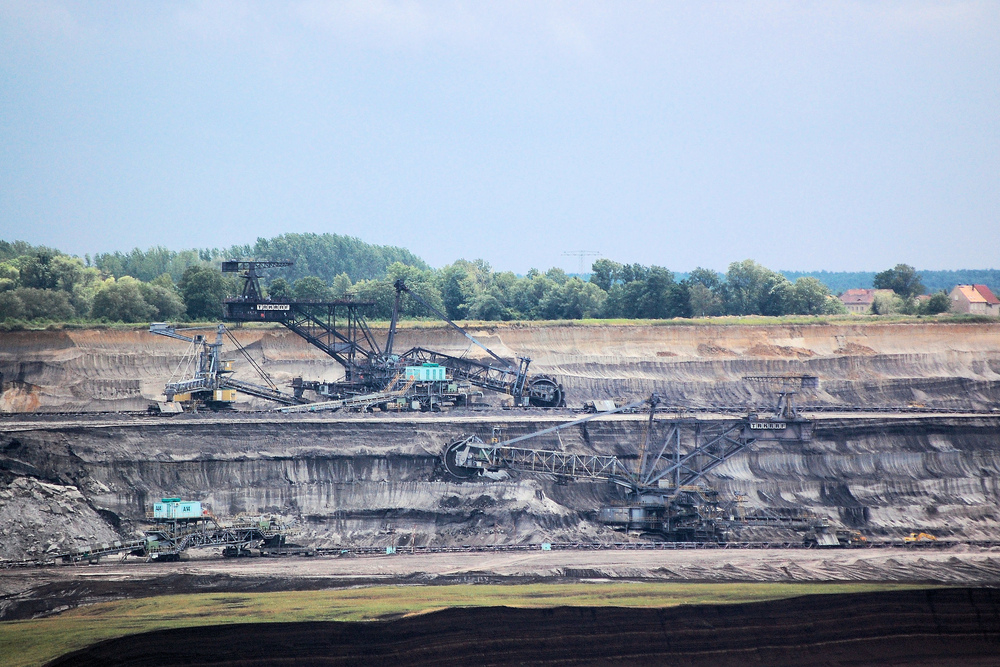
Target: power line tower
582, 254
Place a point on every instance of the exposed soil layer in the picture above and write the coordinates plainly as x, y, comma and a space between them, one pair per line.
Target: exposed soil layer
53, 597
933, 627
947, 365
351, 480
376, 481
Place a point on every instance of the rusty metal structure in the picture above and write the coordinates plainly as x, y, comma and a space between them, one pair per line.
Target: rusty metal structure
665, 495
167, 538
211, 383
787, 386
339, 329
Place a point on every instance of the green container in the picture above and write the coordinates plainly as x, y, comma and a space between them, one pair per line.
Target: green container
174, 508
426, 373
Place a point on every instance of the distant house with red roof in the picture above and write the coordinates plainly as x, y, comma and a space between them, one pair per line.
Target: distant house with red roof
859, 301
974, 299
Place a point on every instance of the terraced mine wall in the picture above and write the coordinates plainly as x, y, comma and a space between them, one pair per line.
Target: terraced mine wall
359, 480
377, 480
859, 363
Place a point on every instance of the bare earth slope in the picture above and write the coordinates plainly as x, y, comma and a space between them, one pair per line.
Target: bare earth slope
353, 480
376, 480
948, 365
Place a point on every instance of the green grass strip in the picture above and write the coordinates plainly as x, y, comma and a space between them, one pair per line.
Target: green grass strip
35, 642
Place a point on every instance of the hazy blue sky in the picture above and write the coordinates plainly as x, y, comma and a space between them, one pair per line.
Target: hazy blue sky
840, 135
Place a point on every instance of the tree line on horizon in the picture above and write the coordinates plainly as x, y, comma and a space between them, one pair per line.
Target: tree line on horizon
43, 284
933, 281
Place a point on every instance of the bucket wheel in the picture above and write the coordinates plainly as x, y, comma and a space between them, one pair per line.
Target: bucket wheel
544, 391
451, 457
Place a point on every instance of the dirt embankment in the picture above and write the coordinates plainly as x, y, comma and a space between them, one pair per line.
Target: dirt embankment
946, 365
38, 592
378, 480
373, 481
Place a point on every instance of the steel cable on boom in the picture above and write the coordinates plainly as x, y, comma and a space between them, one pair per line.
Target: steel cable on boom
253, 362
188, 358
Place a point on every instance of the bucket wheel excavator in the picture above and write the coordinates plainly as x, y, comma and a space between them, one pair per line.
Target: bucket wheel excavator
540, 391
211, 383
665, 495
339, 329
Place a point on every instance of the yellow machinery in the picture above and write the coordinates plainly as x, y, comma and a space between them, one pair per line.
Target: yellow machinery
212, 384
919, 537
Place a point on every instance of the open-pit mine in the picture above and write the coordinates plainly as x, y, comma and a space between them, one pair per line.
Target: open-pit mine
903, 436
897, 471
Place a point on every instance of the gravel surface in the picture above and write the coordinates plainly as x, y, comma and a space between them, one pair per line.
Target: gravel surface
27, 593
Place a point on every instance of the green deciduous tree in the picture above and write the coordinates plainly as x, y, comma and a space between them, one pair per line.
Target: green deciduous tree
14, 249
37, 271
704, 288
744, 284
835, 306
810, 297
166, 302
505, 283
937, 304
752, 289
145, 265
623, 300
679, 300
312, 288
121, 301
888, 304
604, 273
655, 297
527, 294
45, 270
203, 289
581, 300
705, 277
279, 289
642, 292
327, 255
420, 282
778, 296
9, 276
82, 295
164, 280
457, 285
381, 293
341, 286
487, 305
903, 279
68, 272
703, 301
556, 275
44, 304
572, 300
11, 306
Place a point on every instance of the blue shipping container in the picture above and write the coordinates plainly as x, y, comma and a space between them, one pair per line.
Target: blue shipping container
172, 508
428, 373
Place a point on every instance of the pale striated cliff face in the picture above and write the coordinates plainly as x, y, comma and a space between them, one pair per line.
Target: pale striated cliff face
947, 365
371, 480
377, 480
